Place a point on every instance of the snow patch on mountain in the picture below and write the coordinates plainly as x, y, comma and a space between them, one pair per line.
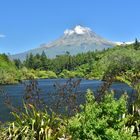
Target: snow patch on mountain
124, 43
77, 30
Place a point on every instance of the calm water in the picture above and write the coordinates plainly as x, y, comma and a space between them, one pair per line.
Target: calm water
16, 92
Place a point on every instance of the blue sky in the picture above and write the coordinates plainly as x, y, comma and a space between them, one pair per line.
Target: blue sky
25, 24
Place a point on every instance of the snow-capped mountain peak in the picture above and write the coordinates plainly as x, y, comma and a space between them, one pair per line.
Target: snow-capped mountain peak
75, 40
77, 30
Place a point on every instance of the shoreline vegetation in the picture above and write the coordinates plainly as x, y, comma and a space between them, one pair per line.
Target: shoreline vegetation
90, 65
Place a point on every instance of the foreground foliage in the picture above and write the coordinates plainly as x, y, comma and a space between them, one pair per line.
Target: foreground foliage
106, 120
33, 124
101, 121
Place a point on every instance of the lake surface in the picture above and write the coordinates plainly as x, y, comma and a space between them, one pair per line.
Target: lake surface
16, 92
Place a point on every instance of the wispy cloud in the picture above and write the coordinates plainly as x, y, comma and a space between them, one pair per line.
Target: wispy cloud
2, 36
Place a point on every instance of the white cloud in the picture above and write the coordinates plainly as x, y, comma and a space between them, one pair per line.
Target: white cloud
2, 35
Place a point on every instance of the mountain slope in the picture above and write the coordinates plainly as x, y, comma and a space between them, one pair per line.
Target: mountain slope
77, 40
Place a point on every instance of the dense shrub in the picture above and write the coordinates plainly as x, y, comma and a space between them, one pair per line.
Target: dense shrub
101, 121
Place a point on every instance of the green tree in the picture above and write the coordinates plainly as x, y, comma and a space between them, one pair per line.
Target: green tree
136, 44
43, 59
18, 63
